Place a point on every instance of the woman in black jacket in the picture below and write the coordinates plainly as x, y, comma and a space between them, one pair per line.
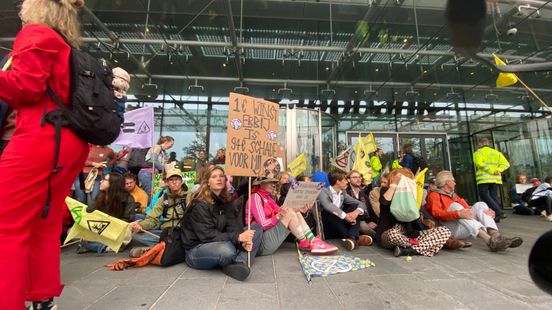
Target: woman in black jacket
211, 233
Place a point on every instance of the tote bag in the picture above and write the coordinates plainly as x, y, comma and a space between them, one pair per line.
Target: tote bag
403, 204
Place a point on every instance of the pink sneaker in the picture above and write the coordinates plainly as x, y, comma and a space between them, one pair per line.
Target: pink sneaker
320, 247
305, 244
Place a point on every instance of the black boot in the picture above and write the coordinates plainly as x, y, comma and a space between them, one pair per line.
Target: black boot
404, 251
238, 271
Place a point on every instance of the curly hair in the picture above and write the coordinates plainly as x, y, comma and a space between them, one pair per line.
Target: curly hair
60, 15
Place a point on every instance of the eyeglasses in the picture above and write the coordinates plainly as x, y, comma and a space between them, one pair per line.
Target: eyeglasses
175, 180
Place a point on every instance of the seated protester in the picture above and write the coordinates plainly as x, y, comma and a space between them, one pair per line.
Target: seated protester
374, 195
139, 195
113, 200
542, 198
278, 222
166, 214
340, 213
464, 221
355, 190
520, 206
212, 235
526, 196
390, 233
303, 178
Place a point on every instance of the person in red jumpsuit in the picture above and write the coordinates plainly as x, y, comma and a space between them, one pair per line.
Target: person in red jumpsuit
30, 256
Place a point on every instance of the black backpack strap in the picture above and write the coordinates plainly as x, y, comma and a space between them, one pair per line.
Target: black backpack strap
56, 118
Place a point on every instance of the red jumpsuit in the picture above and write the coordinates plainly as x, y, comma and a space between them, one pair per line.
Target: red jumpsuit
30, 255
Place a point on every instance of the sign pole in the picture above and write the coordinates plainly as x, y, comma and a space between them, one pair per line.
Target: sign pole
249, 220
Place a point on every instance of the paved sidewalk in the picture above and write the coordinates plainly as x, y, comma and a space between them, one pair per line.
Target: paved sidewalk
471, 278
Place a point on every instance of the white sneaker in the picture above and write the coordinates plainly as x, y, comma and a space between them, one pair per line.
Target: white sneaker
549, 218
543, 213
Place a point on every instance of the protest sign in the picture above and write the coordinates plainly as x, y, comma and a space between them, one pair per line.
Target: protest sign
252, 137
189, 178
301, 193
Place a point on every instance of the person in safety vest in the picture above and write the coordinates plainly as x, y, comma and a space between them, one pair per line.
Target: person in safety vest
489, 164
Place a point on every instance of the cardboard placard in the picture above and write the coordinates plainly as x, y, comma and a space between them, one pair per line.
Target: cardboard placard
252, 137
301, 193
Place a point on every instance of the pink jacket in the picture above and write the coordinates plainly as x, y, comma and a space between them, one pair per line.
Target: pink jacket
263, 209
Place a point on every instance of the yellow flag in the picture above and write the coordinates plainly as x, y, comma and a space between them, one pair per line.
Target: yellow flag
96, 226
362, 161
369, 143
420, 180
298, 165
504, 79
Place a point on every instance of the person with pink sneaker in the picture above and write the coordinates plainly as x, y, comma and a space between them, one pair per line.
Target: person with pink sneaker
278, 222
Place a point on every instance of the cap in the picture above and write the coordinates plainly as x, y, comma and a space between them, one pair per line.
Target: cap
173, 172
264, 180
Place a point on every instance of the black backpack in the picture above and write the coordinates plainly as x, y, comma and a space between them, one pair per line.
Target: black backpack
92, 109
419, 163
137, 160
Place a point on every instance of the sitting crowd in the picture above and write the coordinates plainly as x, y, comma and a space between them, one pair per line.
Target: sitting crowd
212, 217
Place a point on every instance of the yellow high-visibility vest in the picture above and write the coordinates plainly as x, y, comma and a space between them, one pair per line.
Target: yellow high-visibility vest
487, 161
375, 162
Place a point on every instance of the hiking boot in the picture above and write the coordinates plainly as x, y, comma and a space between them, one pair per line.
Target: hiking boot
515, 242
365, 240
349, 244
238, 271
138, 251
453, 244
499, 243
318, 246
404, 251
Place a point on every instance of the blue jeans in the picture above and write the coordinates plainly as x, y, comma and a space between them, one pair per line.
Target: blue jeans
145, 182
489, 194
94, 246
221, 253
144, 239
81, 196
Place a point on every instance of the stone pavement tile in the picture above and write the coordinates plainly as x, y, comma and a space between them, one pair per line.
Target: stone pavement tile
262, 271
412, 292
199, 293
136, 276
81, 293
129, 297
463, 264
513, 286
386, 265
295, 293
286, 264
364, 296
476, 295
245, 295
191, 273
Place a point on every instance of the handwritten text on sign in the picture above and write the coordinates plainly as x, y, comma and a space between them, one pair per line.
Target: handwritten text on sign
252, 139
301, 193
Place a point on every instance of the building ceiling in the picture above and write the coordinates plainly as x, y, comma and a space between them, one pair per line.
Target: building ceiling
364, 52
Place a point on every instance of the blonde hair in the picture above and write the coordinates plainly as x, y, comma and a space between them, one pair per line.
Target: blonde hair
164, 139
204, 192
60, 15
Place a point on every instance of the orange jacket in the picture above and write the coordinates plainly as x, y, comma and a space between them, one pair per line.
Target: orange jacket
438, 203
